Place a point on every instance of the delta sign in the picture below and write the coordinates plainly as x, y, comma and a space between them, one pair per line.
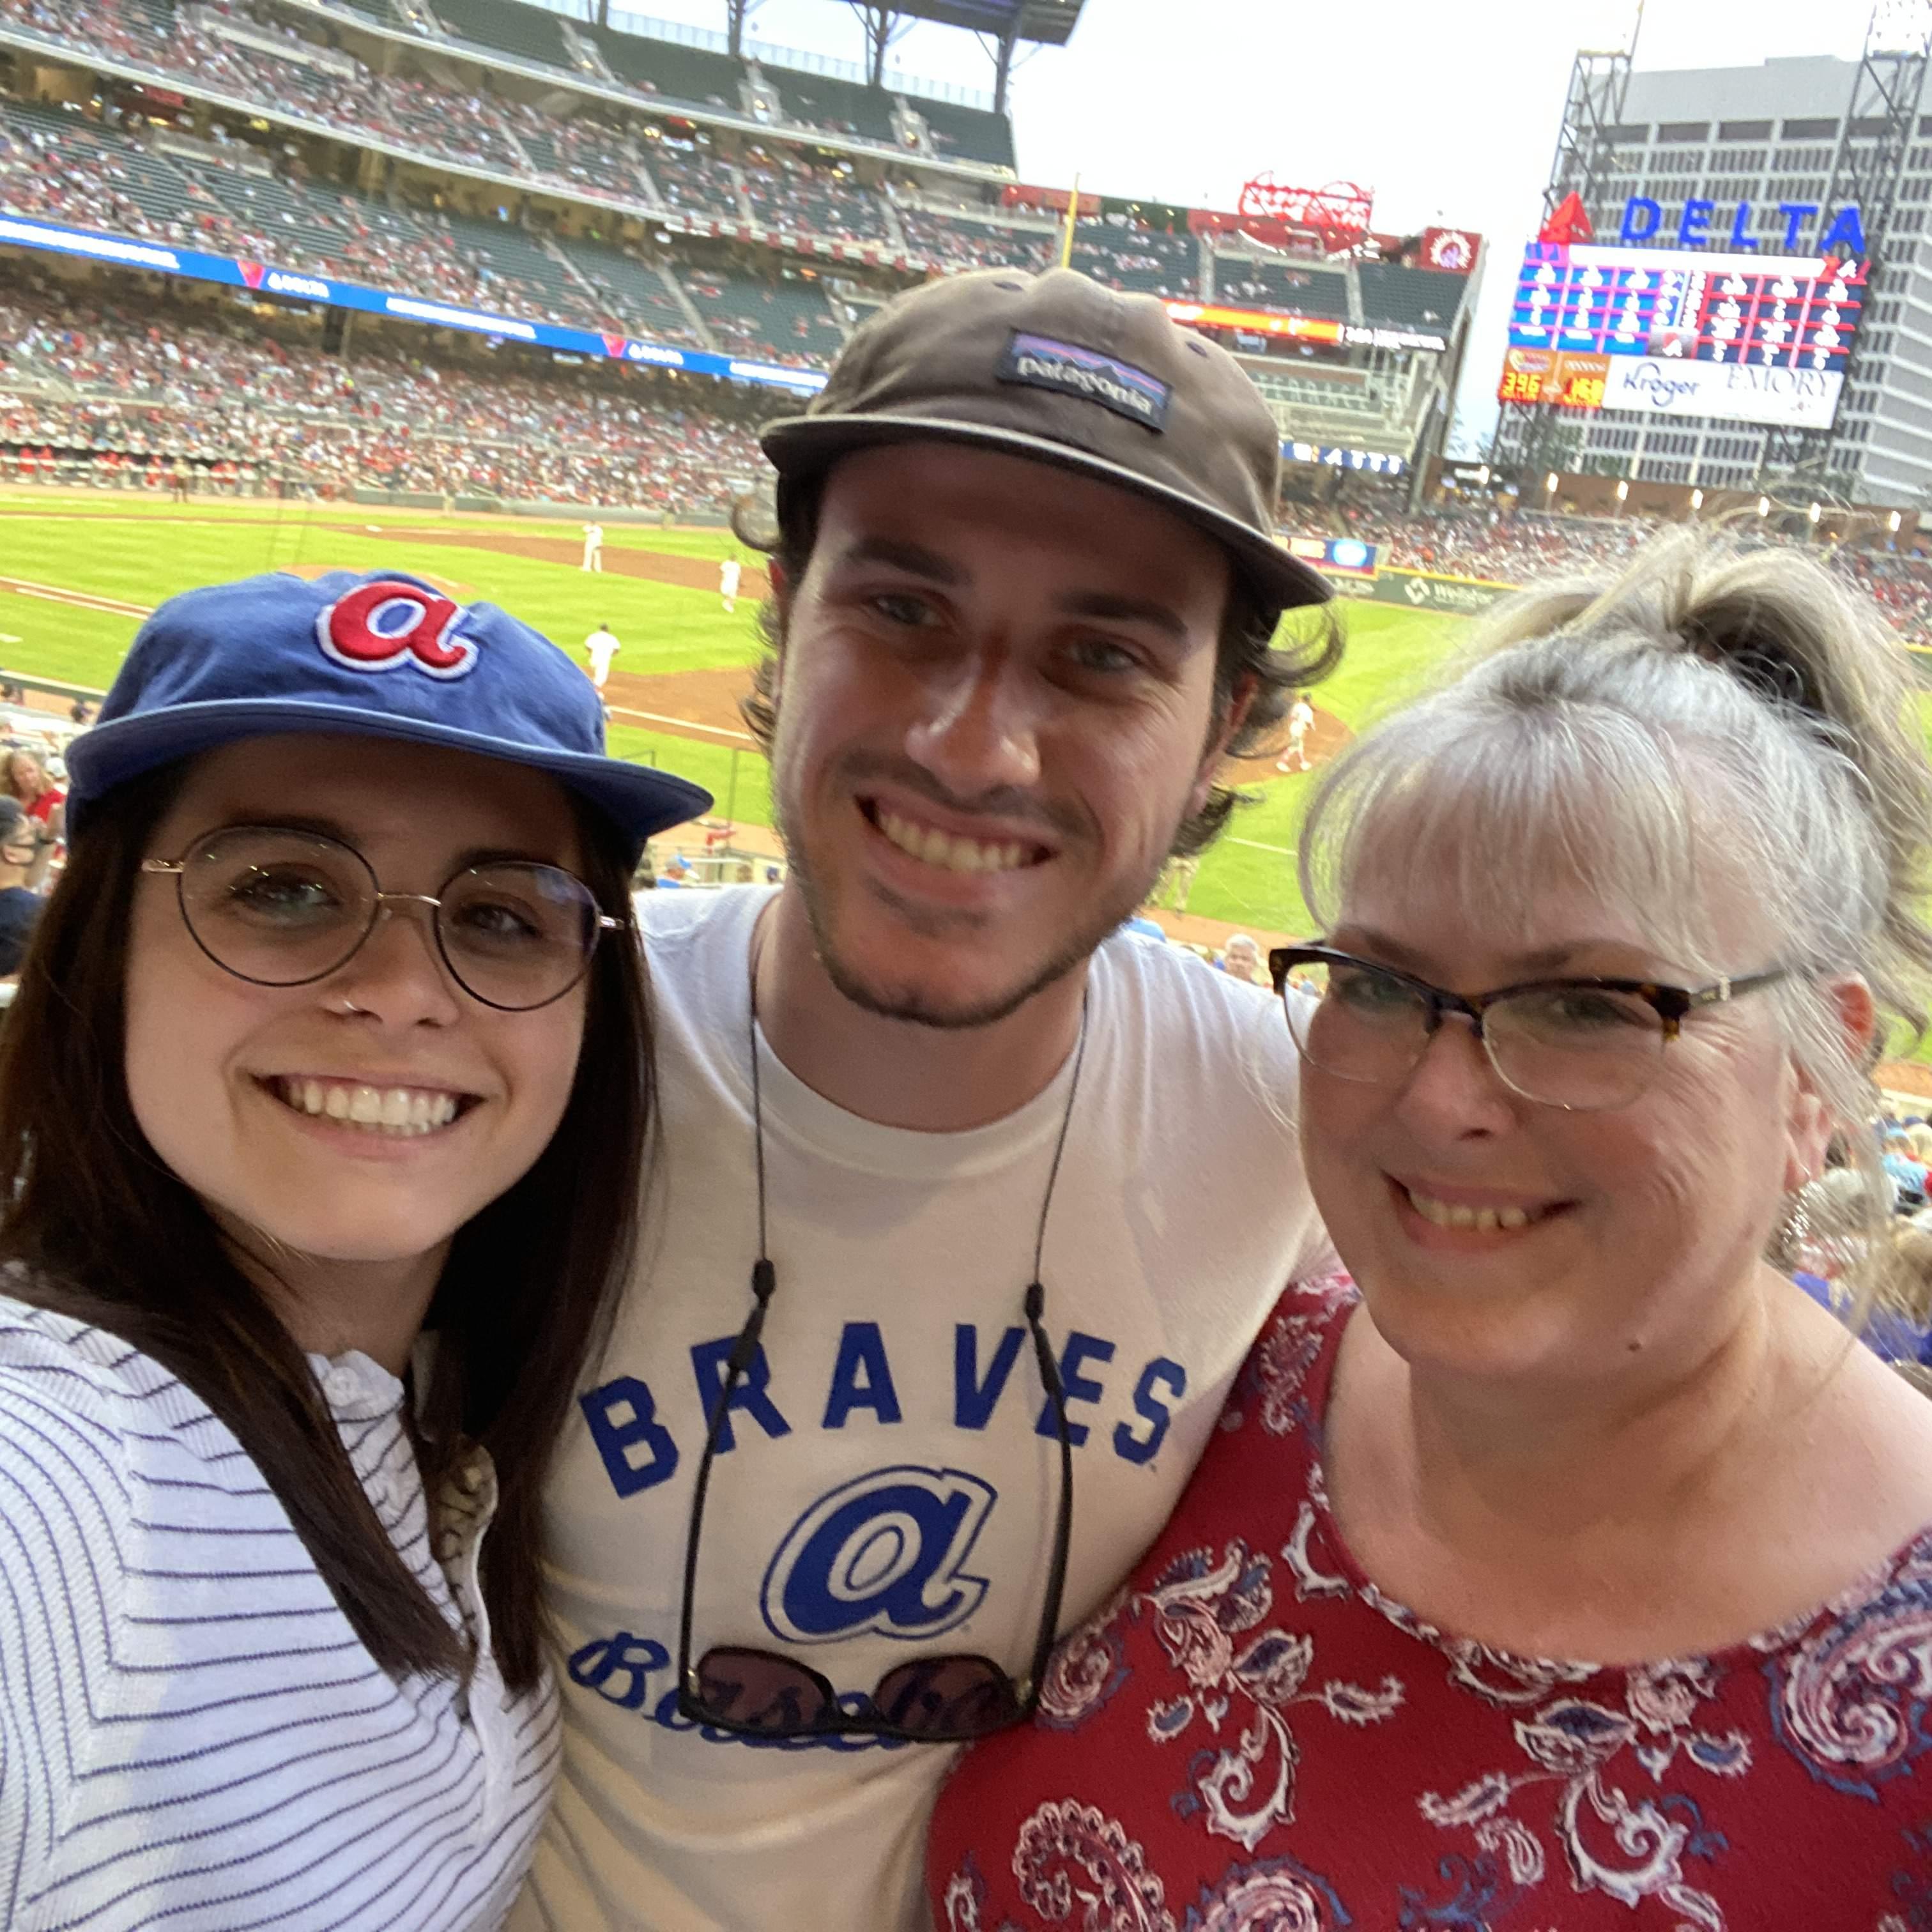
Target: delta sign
1701, 225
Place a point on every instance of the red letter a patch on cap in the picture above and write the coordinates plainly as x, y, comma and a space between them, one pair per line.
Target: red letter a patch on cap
378, 626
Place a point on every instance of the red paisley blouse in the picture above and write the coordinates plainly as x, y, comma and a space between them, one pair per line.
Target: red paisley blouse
1250, 1738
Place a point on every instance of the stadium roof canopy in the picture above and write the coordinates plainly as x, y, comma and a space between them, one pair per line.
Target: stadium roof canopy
1050, 22
1007, 24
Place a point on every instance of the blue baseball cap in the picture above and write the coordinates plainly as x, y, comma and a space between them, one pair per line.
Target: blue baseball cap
380, 654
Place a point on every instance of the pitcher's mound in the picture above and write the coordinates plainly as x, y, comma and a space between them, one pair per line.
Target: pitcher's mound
1326, 736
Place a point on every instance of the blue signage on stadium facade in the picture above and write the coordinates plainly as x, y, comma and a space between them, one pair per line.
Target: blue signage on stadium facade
1701, 225
124, 252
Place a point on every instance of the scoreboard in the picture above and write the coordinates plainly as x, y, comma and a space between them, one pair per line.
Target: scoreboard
1741, 336
1550, 375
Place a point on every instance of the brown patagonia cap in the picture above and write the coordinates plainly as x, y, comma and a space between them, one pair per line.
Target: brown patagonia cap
1059, 368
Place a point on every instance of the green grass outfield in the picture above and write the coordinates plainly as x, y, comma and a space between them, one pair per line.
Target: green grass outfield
139, 552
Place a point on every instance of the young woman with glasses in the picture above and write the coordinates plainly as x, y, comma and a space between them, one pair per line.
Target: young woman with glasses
1569, 1564
322, 1109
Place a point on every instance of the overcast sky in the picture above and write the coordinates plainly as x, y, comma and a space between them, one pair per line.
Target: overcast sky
1447, 109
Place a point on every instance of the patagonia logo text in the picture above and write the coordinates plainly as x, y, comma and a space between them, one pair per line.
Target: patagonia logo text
1074, 371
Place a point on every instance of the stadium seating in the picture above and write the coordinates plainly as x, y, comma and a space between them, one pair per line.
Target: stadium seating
819, 201
783, 319
957, 241
595, 160
316, 223
1416, 299
966, 134
1292, 288
838, 106
220, 46
539, 141
158, 14
639, 302
530, 33
110, 390
1138, 259
105, 160
693, 75
510, 259
262, 398
695, 181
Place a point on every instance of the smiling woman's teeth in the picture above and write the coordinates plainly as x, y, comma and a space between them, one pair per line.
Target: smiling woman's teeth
948, 851
385, 1110
1484, 1219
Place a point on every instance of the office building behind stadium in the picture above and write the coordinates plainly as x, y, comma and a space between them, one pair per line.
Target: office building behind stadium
1760, 143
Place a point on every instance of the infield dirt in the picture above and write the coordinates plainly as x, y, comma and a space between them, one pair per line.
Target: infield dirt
688, 573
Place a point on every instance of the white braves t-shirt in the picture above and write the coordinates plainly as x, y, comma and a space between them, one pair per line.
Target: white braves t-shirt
887, 1487
602, 647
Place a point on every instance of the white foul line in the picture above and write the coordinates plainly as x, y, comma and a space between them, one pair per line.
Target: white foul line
682, 724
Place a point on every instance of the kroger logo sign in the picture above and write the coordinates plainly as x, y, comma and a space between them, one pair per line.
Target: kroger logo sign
1730, 391
1659, 387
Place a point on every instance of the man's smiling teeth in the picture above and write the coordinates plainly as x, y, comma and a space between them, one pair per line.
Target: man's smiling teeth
1484, 1219
949, 850
389, 1110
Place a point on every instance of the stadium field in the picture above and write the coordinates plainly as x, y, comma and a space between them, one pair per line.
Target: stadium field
683, 657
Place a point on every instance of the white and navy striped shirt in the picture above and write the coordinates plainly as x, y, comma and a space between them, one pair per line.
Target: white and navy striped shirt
191, 1735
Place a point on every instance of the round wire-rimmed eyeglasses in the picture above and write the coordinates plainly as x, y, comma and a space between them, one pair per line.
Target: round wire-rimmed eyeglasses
280, 906
1584, 1044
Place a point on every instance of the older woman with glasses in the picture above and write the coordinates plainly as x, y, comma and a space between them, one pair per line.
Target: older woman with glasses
1568, 1566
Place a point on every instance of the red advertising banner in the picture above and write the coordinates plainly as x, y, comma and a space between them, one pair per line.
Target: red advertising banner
1309, 328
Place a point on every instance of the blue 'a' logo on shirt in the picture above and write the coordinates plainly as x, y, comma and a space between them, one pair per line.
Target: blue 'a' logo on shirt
885, 1554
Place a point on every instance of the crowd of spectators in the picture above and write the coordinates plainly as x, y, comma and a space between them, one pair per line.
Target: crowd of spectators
1146, 260
127, 34
1499, 546
475, 129
694, 180
958, 243
761, 315
82, 173
96, 380
586, 156
819, 200
1502, 546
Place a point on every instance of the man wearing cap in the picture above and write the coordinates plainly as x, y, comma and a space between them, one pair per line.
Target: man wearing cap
969, 1203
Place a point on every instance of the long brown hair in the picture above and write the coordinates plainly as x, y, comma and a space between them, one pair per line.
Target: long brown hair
107, 1233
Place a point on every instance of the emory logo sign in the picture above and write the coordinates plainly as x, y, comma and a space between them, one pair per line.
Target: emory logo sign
1065, 366
1737, 391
